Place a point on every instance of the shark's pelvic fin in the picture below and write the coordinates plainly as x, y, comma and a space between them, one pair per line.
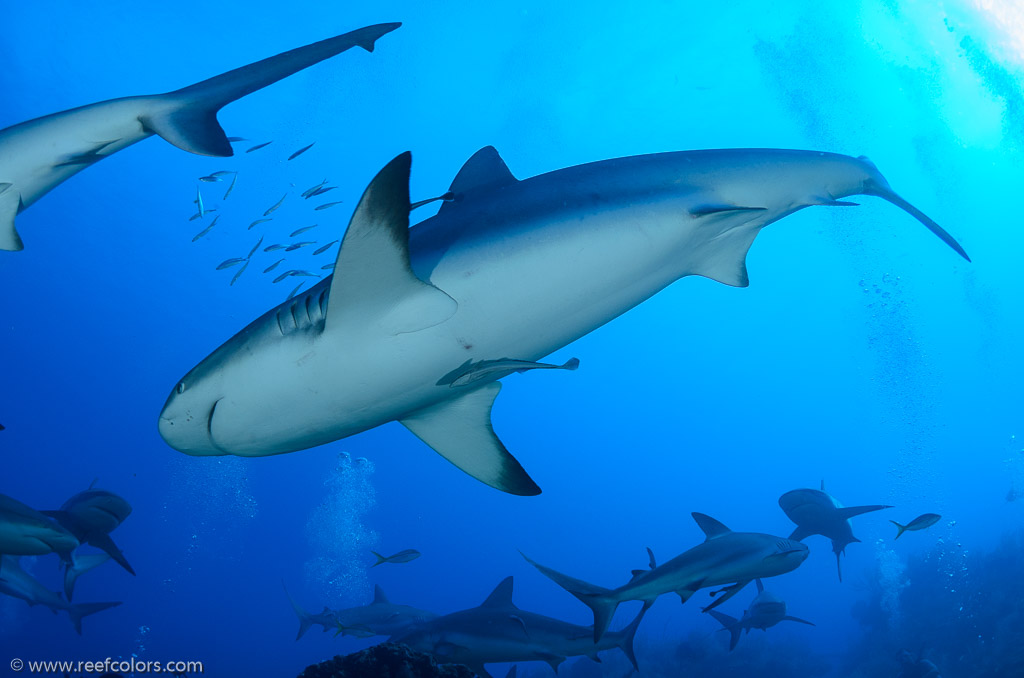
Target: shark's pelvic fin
484, 169
190, 121
10, 204
460, 430
501, 596
373, 284
81, 565
711, 527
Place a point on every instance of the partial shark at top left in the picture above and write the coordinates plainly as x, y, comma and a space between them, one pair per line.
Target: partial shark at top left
37, 155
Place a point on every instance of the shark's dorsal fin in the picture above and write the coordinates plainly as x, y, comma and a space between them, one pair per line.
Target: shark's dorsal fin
501, 596
711, 527
10, 204
484, 169
373, 284
651, 560
378, 596
760, 586
459, 429
822, 484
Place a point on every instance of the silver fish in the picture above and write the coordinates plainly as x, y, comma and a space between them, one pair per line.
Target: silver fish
228, 263
296, 290
327, 267
210, 179
271, 248
276, 205
259, 146
304, 243
326, 205
323, 249
222, 173
257, 222
274, 265
234, 139
310, 191
199, 201
231, 187
320, 191
303, 230
240, 272
300, 151
286, 274
255, 247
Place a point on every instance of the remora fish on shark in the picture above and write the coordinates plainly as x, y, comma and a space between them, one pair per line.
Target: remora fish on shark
765, 611
505, 268
725, 557
818, 512
498, 631
37, 155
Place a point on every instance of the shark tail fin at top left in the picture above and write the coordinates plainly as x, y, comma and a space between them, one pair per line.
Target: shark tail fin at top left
76, 612
600, 600
190, 120
304, 621
730, 624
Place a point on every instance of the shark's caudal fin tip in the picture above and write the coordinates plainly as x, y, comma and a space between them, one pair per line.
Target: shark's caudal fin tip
375, 33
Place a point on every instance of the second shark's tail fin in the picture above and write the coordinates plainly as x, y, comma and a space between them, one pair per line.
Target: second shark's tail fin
190, 121
81, 565
730, 624
77, 612
629, 635
599, 600
304, 620
902, 529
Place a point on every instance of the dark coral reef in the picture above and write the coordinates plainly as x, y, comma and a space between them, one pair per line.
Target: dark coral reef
388, 660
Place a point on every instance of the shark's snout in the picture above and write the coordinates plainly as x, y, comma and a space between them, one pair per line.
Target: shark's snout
187, 429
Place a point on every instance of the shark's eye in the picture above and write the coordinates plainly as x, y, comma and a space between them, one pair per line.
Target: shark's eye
181, 388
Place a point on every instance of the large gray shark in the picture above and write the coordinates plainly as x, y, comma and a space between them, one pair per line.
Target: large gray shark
380, 618
27, 532
91, 516
506, 269
498, 631
818, 512
37, 155
766, 610
725, 557
15, 582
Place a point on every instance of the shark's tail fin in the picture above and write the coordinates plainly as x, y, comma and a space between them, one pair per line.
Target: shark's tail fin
81, 565
877, 185
730, 624
304, 620
600, 600
902, 529
629, 635
190, 122
76, 612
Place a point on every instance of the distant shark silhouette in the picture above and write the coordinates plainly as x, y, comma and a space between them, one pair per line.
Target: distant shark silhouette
725, 557
507, 269
37, 155
380, 618
17, 583
27, 532
766, 610
817, 512
498, 631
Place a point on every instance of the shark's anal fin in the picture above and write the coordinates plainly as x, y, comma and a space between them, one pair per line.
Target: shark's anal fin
374, 285
10, 205
484, 169
460, 430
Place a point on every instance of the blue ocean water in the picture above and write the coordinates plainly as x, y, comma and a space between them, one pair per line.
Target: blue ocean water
864, 352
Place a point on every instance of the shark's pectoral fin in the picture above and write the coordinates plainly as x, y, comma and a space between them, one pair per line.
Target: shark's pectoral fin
729, 592
798, 620
106, 544
10, 205
848, 512
800, 533
374, 287
191, 126
460, 431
